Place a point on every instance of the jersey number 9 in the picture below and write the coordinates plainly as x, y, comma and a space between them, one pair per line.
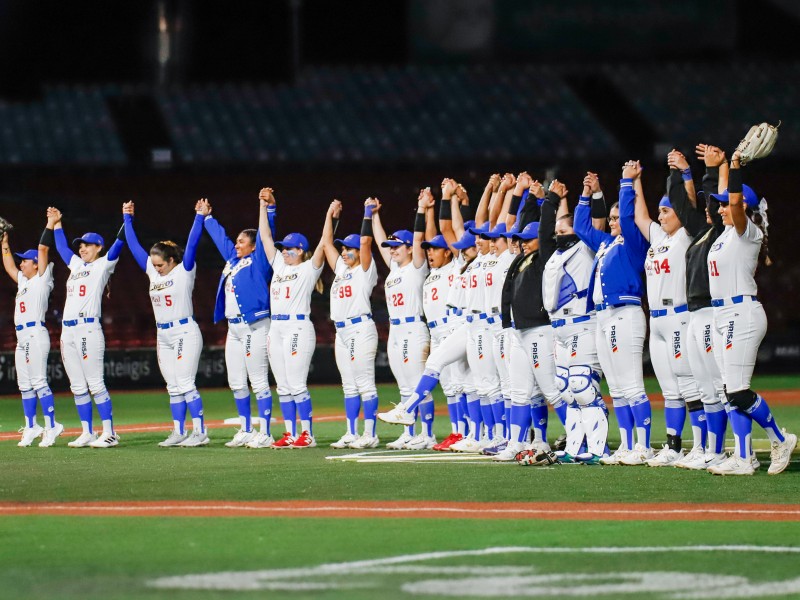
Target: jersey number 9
345, 291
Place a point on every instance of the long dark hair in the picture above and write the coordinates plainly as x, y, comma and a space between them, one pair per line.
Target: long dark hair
758, 220
167, 250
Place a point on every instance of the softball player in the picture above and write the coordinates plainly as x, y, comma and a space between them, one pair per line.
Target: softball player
665, 271
82, 341
34, 279
172, 273
409, 340
356, 342
615, 290
243, 300
292, 339
740, 323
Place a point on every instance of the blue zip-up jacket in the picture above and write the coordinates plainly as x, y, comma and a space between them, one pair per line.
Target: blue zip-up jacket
621, 270
252, 274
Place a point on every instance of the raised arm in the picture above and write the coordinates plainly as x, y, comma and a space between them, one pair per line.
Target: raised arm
425, 201
635, 241
531, 211
62, 245
265, 200
599, 212
320, 253
367, 235
8, 259
690, 217
195, 233
497, 200
459, 207
139, 253
489, 193
714, 159
676, 160
430, 217
377, 229
583, 225
509, 216
547, 222
735, 196
633, 170
217, 232
447, 213
333, 214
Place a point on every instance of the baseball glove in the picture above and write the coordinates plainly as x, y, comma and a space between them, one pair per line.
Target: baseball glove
758, 142
5, 226
561, 442
528, 458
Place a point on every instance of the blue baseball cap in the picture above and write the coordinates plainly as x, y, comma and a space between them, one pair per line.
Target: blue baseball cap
480, 230
436, 242
293, 240
90, 238
29, 255
665, 202
468, 225
498, 231
467, 241
351, 241
402, 237
750, 198
531, 232
513, 231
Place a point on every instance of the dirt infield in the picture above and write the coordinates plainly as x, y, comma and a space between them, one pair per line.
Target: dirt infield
567, 511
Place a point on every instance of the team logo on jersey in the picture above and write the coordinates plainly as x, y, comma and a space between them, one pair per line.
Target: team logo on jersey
405, 350
613, 338
233, 270
84, 349
247, 346
729, 336
716, 246
289, 277
676, 344
393, 282
535, 354
574, 349
79, 275
344, 277
22, 292
432, 277
180, 349
662, 249
352, 349
157, 287
707, 338
293, 349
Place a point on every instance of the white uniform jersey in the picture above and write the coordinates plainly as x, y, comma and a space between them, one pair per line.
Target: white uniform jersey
566, 275
171, 294
32, 294
665, 268
732, 262
456, 297
85, 287
351, 290
292, 286
231, 303
496, 268
476, 283
436, 290
403, 288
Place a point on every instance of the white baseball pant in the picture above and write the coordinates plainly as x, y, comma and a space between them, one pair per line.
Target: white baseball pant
740, 329
30, 357
246, 355
701, 350
82, 349
620, 342
480, 358
291, 347
355, 348
178, 349
669, 345
408, 347
533, 366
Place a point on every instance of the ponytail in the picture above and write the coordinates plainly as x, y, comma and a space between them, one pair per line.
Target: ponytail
759, 218
318, 287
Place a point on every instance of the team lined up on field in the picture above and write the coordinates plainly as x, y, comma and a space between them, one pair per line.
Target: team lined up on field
526, 306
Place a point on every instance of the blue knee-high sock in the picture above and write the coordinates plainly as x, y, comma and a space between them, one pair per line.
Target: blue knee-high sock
539, 417
475, 415
742, 426
264, 403
103, 401
452, 412
195, 405
463, 414
499, 414
48, 403
370, 412
177, 405
520, 422
83, 403
675, 416
717, 421
697, 419
507, 418
624, 415
352, 406
643, 417
426, 417
425, 386
488, 417
761, 414
561, 410
304, 411
29, 407
289, 412
242, 398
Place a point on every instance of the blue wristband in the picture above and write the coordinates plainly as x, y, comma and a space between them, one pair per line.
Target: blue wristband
686, 174
368, 211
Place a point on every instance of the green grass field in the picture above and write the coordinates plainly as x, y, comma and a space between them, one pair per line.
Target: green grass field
117, 557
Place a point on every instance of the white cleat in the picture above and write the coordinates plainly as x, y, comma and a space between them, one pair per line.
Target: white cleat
616, 457
420, 442
105, 440
665, 457
754, 461
83, 440
397, 416
195, 439
538, 446
175, 438
638, 456
344, 441
468, 446
695, 460
241, 438
781, 453
29, 434
50, 435
510, 452
733, 466
400, 443
261, 440
713, 459
366, 441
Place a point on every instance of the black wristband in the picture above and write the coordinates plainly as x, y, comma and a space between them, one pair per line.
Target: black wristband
335, 221
419, 222
445, 210
735, 181
121, 233
48, 238
553, 199
466, 212
713, 172
599, 208
514, 206
366, 228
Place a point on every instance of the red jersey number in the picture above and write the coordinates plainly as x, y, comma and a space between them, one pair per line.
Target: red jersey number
397, 300
345, 291
661, 266
712, 268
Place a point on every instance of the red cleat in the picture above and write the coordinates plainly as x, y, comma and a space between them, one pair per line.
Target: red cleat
285, 442
305, 441
444, 445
